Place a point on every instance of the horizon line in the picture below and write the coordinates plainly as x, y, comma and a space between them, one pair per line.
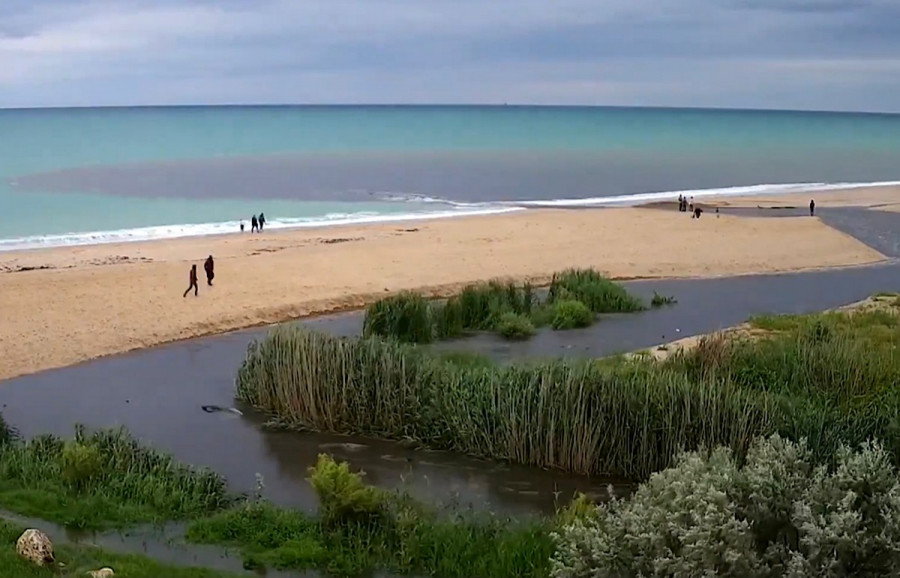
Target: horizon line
444, 105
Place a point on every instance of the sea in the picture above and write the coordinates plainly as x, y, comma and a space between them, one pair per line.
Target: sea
98, 175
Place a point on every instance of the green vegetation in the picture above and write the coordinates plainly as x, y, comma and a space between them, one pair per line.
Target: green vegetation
360, 529
661, 300
406, 317
79, 560
571, 314
829, 378
104, 479
502, 307
774, 515
623, 418
598, 293
515, 326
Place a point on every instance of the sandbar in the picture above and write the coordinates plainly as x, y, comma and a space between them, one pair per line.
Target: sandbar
61, 306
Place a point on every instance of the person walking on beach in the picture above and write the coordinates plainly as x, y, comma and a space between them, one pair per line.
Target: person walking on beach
193, 280
208, 267
262, 221
242, 225
812, 208
254, 225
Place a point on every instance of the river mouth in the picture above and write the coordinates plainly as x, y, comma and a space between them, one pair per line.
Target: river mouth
159, 393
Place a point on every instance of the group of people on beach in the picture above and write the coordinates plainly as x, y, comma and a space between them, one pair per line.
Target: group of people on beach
256, 223
685, 206
209, 267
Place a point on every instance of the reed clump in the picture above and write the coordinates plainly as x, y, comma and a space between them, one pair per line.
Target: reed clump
624, 419
411, 318
103, 479
598, 293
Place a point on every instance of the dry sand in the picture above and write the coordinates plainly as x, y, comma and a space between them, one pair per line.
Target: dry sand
61, 306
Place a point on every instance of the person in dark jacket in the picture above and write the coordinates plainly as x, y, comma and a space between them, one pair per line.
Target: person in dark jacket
254, 225
812, 208
262, 221
193, 280
208, 267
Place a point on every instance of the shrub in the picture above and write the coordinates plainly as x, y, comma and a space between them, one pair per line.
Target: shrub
778, 515
514, 326
344, 498
483, 304
597, 292
405, 317
80, 464
571, 314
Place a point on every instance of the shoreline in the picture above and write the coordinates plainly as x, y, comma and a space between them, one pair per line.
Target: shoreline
876, 195
69, 305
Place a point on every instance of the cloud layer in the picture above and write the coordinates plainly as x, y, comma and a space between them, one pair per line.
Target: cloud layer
807, 54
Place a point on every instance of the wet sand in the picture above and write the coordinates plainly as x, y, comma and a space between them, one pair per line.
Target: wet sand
883, 198
62, 306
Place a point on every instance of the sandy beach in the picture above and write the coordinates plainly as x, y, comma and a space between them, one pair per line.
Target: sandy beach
883, 198
65, 305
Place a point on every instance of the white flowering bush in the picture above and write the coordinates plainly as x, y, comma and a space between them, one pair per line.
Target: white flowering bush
775, 516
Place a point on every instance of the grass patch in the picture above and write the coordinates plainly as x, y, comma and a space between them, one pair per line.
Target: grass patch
600, 294
405, 317
101, 480
515, 326
662, 300
361, 529
571, 314
497, 306
620, 418
79, 560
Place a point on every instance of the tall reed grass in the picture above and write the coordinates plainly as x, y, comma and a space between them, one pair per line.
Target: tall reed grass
625, 419
600, 294
410, 318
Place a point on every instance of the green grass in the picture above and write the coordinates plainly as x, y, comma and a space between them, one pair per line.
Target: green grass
101, 480
361, 529
515, 326
570, 314
618, 418
405, 317
79, 560
598, 293
491, 306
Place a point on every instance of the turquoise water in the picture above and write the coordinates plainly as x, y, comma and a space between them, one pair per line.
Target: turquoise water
71, 176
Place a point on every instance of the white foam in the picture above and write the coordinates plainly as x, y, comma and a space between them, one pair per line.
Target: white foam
457, 209
227, 227
641, 198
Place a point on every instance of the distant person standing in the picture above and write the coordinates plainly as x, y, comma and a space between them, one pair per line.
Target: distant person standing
262, 221
812, 208
208, 267
254, 225
193, 281
242, 225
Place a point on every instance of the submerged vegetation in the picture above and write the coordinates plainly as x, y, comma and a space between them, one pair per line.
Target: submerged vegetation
103, 479
512, 310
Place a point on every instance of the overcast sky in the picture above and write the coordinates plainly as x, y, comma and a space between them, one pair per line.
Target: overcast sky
797, 54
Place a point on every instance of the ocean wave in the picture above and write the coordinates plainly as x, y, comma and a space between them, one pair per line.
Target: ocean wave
228, 227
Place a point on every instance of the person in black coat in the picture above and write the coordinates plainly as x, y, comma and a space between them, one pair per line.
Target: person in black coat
208, 267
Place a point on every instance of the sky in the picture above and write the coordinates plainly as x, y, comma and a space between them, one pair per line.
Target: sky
789, 54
